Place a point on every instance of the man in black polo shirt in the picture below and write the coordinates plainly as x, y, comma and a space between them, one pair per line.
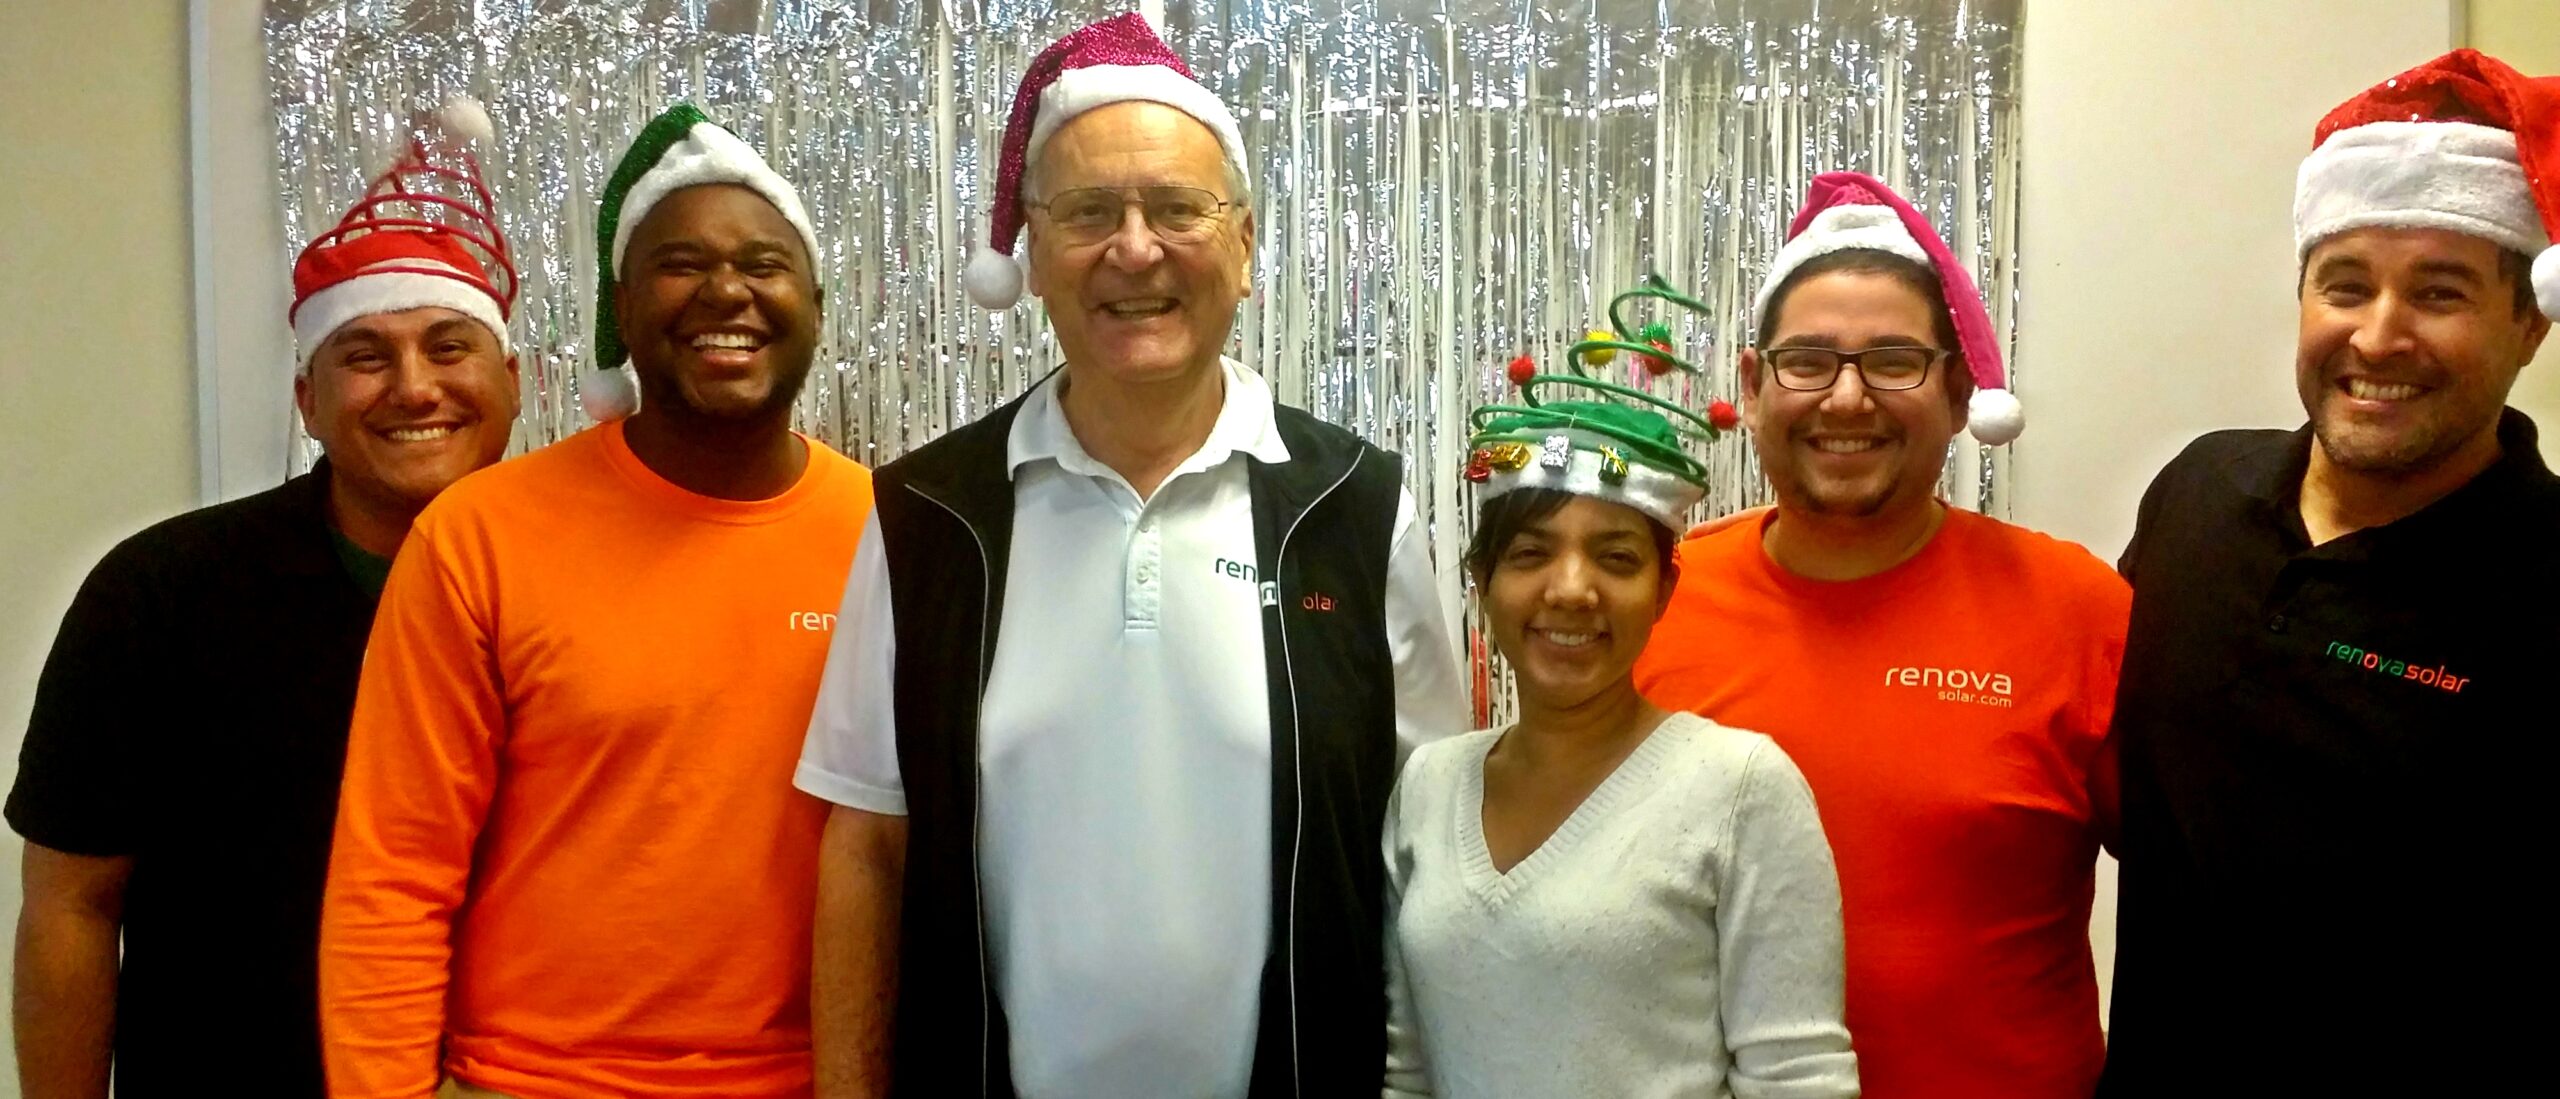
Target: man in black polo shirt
179, 781
2332, 712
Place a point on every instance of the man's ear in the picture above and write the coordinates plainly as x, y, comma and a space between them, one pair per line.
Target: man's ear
1747, 374
305, 399
1244, 279
1962, 410
515, 389
622, 310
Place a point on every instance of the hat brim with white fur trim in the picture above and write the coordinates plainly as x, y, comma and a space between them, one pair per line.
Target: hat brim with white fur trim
2463, 143
1117, 60
424, 234
680, 148
1852, 210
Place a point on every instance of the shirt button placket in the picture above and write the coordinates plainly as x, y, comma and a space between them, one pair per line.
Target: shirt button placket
1146, 574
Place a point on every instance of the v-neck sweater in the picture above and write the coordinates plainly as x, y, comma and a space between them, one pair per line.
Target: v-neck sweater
1677, 936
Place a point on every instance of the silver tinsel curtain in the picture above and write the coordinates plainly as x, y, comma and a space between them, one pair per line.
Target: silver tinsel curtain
1440, 184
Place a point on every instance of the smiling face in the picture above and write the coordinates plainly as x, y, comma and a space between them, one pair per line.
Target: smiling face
406, 403
1132, 306
1571, 595
718, 304
2410, 340
1849, 450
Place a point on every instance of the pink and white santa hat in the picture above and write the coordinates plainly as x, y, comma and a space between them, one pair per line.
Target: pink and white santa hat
2463, 143
1114, 61
424, 234
1845, 210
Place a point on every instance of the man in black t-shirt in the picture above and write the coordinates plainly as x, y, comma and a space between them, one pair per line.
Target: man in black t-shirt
179, 779
2332, 712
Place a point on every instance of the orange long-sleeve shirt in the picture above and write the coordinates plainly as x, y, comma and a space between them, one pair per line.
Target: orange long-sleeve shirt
569, 861
1950, 714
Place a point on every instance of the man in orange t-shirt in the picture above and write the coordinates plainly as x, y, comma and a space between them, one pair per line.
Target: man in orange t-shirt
569, 860
1944, 680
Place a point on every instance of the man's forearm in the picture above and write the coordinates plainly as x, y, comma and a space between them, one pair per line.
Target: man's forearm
853, 988
65, 1008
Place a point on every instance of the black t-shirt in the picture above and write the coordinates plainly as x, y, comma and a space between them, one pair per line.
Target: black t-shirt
2331, 756
193, 716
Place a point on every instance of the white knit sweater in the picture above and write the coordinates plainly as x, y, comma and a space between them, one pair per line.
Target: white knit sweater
1678, 935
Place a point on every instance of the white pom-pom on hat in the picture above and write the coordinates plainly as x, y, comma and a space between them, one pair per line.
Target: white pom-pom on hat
2546, 281
463, 119
993, 279
608, 394
1994, 416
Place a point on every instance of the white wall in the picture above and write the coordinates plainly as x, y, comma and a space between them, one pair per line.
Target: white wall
2156, 248
97, 397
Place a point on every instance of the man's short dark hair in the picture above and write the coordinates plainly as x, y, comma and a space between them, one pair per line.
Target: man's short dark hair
1919, 277
2518, 268
1501, 519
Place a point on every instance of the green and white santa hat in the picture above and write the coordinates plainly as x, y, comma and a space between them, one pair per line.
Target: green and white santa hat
678, 149
1609, 442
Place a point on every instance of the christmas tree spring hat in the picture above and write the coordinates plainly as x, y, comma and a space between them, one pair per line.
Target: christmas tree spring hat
1606, 441
1845, 210
1114, 61
678, 149
2463, 143
424, 234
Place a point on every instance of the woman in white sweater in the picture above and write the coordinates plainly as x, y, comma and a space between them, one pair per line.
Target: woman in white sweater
1603, 899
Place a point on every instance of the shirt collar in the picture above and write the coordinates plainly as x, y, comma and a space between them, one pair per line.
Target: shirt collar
1245, 425
2273, 475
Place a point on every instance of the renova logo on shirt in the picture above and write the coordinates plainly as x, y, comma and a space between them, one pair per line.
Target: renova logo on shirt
1956, 684
2436, 677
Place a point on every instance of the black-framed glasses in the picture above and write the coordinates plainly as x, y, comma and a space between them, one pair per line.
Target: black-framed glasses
1879, 368
1181, 215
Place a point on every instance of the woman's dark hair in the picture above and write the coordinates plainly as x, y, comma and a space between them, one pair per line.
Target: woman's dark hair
1501, 519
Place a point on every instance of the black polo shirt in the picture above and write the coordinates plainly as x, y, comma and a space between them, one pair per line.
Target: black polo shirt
2332, 757
193, 716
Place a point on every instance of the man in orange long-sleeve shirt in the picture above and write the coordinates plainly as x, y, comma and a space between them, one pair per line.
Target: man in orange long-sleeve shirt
569, 861
1944, 680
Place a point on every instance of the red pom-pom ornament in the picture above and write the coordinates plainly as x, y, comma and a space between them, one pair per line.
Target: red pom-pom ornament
1657, 365
1720, 412
1522, 369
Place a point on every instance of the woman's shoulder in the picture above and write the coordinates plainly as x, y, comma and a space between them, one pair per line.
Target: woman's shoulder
1737, 759
1705, 739
1448, 757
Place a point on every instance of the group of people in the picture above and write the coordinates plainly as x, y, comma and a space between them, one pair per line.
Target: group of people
1113, 745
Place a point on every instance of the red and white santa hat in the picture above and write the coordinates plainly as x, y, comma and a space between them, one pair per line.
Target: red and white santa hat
424, 234
1846, 210
2464, 143
1114, 61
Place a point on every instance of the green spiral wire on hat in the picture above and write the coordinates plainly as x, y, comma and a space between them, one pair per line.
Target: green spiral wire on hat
1616, 443
1653, 437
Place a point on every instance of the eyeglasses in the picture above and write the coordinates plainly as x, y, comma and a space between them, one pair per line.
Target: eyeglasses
1179, 215
1879, 368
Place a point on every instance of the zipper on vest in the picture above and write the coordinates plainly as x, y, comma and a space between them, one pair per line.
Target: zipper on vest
1297, 760
978, 789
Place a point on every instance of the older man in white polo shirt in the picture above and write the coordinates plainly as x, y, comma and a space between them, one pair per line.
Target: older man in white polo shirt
1117, 691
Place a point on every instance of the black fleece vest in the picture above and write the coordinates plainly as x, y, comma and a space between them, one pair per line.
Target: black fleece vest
1323, 525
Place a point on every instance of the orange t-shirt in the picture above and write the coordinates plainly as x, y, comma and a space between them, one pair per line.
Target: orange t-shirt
568, 851
1949, 714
